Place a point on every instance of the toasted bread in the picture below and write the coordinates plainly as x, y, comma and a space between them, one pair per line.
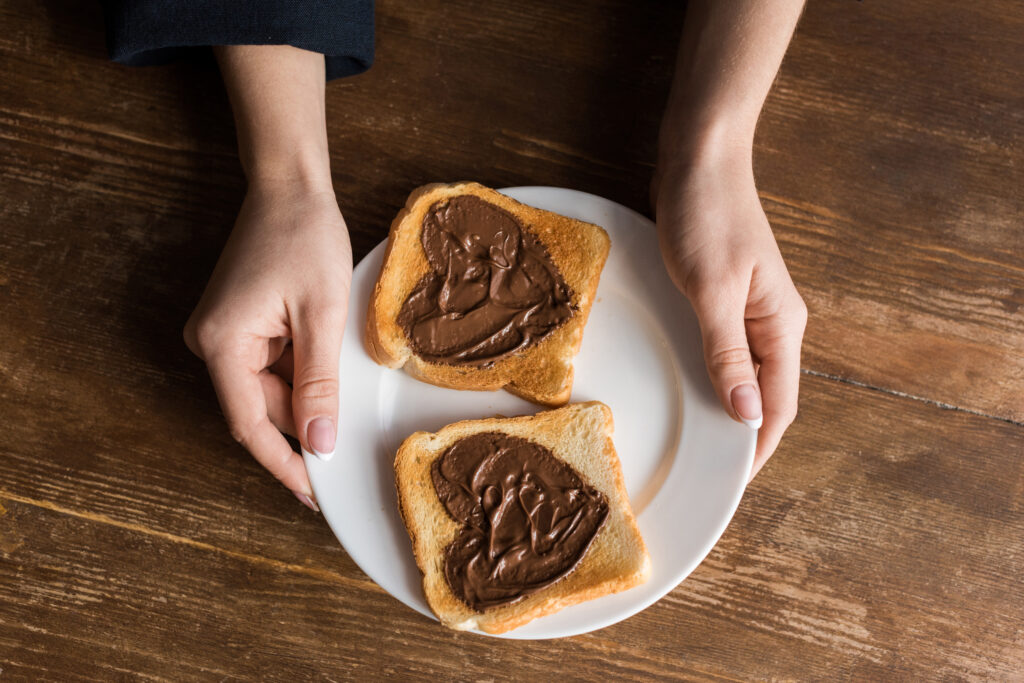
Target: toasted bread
541, 371
579, 435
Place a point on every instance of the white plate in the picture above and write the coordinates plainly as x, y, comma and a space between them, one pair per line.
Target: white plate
684, 460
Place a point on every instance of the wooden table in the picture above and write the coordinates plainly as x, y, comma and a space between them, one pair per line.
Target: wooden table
884, 541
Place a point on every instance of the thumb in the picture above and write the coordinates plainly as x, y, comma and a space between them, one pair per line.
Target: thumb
317, 344
727, 355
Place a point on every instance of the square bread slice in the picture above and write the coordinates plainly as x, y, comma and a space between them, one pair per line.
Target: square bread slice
541, 371
579, 435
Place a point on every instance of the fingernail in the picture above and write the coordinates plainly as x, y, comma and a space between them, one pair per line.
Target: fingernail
320, 434
746, 401
307, 501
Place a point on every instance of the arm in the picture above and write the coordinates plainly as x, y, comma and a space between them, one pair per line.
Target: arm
715, 238
278, 297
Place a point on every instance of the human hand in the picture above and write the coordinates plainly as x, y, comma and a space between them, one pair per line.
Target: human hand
277, 301
720, 252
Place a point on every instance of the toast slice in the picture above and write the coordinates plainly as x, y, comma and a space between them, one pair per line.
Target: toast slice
579, 436
526, 347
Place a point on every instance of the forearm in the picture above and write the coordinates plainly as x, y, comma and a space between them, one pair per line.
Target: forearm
277, 95
728, 57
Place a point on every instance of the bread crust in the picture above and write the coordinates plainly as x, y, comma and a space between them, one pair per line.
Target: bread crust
578, 434
541, 373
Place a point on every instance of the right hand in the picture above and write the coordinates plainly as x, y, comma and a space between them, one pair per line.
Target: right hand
270, 323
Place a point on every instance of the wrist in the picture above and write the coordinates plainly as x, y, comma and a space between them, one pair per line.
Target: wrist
698, 157
687, 143
303, 169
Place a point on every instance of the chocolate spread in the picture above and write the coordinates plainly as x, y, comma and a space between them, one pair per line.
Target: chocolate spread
492, 289
527, 517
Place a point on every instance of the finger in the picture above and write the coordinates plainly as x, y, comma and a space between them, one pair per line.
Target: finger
241, 397
276, 348
779, 377
278, 397
284, 366
317, 343
727, 355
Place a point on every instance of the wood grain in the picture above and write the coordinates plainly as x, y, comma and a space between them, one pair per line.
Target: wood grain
883, 541
903, 225
886, 553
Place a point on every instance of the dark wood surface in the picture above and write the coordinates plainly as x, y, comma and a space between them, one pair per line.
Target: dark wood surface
884, 541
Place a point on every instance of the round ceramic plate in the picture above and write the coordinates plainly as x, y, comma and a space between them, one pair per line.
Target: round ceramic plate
685, 462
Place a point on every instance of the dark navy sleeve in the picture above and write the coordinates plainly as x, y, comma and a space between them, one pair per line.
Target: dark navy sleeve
141, 32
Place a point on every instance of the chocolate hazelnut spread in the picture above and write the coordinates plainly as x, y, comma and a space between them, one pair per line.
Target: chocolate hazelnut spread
527, 517
492, 289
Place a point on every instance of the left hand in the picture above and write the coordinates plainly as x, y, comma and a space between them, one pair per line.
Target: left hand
270, 323
720, 252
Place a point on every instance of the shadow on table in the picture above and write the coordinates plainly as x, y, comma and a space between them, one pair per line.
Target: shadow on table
76, 27
170, 236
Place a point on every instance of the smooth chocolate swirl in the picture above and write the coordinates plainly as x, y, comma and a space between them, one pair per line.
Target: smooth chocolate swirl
527, 517
492, 289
